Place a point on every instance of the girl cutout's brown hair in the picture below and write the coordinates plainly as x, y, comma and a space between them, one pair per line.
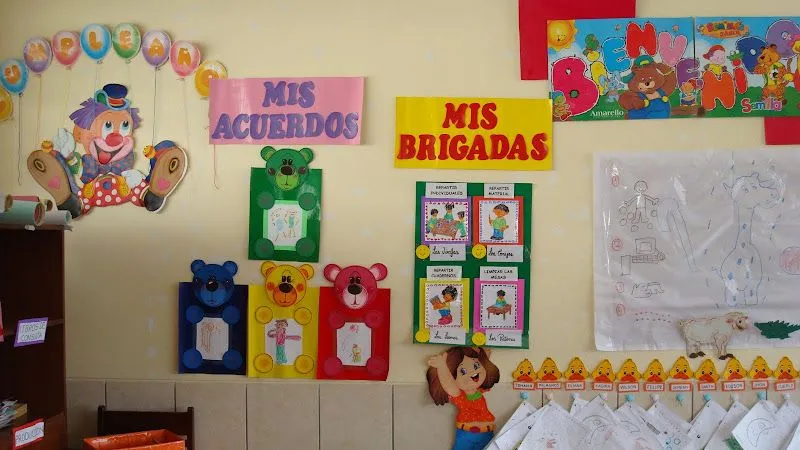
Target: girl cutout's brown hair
455, 355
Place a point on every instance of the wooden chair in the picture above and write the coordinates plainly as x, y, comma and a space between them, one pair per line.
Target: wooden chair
120, 422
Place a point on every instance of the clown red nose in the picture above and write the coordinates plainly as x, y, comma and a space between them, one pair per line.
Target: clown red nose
113, 139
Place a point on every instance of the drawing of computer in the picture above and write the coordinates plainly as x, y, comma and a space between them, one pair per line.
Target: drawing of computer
646, 253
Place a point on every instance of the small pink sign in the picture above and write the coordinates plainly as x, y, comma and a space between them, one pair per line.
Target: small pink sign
286, 111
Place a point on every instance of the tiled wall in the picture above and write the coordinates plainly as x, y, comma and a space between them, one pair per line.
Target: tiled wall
315, 416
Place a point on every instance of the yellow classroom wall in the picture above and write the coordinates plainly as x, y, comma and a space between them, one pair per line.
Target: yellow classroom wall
123, 264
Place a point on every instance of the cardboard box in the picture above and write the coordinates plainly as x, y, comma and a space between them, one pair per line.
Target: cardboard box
144, 440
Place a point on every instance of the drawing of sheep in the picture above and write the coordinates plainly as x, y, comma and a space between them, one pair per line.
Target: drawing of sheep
715, 331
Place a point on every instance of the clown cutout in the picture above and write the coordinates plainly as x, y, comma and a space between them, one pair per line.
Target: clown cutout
104, 126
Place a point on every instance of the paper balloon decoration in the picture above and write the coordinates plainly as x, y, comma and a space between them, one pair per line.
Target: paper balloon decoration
6, 105
205, 72
127, 40
96, 41
66, 47
184, 57
155, 47
37, 54
13, 75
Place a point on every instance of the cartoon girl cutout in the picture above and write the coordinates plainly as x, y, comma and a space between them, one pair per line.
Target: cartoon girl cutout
461, 376
356, 353
449, 295
461, 224
280, 335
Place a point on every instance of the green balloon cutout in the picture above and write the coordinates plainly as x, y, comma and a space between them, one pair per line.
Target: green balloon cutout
127, 40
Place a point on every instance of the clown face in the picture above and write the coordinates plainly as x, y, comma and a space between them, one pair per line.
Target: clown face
109, 137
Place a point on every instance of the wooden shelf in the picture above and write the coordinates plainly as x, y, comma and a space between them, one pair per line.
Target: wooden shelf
8, 226
55, 437
34, 374
11, 332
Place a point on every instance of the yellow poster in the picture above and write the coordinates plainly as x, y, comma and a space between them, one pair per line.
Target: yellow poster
474, 133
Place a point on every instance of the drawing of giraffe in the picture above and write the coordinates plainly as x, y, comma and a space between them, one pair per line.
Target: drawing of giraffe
741, 270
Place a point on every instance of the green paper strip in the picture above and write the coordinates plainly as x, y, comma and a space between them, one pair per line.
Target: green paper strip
23, 213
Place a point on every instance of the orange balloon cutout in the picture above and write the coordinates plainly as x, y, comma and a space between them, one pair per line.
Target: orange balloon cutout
204, 74
6, 105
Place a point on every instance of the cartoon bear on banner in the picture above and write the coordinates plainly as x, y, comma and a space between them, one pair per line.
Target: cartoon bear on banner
649, 86
104, 126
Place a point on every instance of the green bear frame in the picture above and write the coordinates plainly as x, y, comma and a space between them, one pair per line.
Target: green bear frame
285, 178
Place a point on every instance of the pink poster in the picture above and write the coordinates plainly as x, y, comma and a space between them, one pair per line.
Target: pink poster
286, 111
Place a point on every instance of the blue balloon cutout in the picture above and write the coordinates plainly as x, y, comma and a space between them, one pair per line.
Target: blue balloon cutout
14, 76
95, 41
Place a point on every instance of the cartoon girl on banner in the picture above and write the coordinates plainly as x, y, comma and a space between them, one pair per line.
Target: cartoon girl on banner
104, 126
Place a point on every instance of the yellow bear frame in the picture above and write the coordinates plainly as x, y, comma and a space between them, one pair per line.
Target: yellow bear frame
285, 295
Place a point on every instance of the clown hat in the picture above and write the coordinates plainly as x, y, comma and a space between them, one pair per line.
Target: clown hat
714, 48
639, 62
113, 96
151, 152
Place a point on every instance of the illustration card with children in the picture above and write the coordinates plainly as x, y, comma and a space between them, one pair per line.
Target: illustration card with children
445, 314
472, 257
498, 220
499, 311
446, 220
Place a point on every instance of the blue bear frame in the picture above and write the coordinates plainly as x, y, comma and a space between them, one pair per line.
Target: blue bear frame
212, 293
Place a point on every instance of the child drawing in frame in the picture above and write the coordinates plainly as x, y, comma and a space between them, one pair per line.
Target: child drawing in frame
279, 223
449, 295
280, 336
498, 224
291, 221
461, 376
460, 225
356, 353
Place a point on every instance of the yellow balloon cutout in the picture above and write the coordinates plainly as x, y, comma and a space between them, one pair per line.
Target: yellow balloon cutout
6, 105
205, 72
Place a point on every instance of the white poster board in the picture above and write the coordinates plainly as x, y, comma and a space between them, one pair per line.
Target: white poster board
689, 235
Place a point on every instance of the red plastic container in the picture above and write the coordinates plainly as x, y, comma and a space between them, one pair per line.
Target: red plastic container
144, 440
